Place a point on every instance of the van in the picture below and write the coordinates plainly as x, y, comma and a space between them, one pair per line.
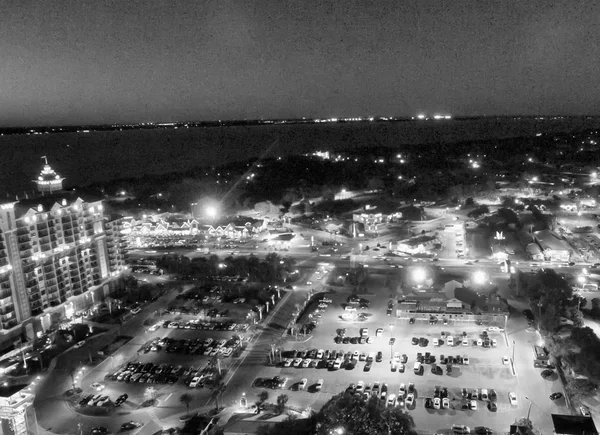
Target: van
364, 332
417, 367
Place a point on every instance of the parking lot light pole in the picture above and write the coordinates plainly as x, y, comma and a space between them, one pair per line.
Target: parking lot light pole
529, 411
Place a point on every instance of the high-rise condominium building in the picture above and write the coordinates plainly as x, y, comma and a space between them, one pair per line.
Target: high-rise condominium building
57, 253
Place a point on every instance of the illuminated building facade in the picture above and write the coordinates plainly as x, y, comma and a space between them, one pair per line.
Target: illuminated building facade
17, 416
56, 250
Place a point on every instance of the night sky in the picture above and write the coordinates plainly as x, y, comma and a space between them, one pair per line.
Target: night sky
99, 61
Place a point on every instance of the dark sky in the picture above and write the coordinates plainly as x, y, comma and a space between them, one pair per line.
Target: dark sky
100, 61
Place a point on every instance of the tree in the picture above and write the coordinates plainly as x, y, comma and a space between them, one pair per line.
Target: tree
217, 392
281, 401
360, 417
186, 399
263, 396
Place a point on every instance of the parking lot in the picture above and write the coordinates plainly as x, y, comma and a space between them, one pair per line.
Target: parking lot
470, 387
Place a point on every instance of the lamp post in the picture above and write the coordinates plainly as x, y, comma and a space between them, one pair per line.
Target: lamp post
529, 411
192, 208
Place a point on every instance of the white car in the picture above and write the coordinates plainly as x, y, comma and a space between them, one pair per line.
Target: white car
326, 300
402, 391
473, 405
319, 385
288, 362
320, 354
302, 384
494, 342
484, 394
410, 399
397, 356
479, 342
445, 403
391, 401
306, 363
436, 403
360, 386
512, 398
227, 352
97, 386
297, 362
195, 381
465, 342
466, 360
505, 360
493, 329
436, 342
379, 332
355, 354
376, 386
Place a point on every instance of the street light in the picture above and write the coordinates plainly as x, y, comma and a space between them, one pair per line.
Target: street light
479, 277
211, 211
192, 208
419, 275
529, 411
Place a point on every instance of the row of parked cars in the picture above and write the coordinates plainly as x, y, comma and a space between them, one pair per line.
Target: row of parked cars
405, 397
211, 326
101, 400
149, 373
197, 346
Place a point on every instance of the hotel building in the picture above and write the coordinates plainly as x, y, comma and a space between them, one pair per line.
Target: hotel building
57, 255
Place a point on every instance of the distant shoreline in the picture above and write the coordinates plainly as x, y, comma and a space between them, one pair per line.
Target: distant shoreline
85, 158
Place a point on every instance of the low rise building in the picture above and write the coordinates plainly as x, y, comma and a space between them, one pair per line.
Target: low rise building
553, 246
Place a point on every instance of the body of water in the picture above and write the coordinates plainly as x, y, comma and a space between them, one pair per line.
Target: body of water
88, 157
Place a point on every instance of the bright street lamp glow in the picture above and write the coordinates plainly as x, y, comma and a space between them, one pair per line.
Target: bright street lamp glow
581, 279
211, 211
479, 277
419, 274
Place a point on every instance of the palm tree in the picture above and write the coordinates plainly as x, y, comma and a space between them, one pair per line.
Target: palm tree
186, 399
217, 392
281, 401
215, 361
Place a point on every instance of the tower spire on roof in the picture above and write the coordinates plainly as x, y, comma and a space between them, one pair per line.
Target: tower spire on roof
48, 181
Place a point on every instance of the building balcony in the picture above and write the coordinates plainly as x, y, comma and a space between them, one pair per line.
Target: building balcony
9, 324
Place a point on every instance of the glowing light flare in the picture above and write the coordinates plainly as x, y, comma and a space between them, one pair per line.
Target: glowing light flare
479, 277
419, 274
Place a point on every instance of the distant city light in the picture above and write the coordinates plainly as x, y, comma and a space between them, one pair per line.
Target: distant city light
421, 116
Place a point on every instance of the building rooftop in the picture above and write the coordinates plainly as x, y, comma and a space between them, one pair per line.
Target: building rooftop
573, 425
9, 390
549, 240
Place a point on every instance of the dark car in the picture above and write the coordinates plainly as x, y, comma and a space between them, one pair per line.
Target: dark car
547, 373
428, 402
368, 366
529, 315
482, 430
130, 425
423, 342
414, 341
492, 406
412, 320
121, 399
392, 341
379, 356
555, 396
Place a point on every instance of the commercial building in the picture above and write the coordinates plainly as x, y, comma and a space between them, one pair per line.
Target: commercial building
57, 252
553, 246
